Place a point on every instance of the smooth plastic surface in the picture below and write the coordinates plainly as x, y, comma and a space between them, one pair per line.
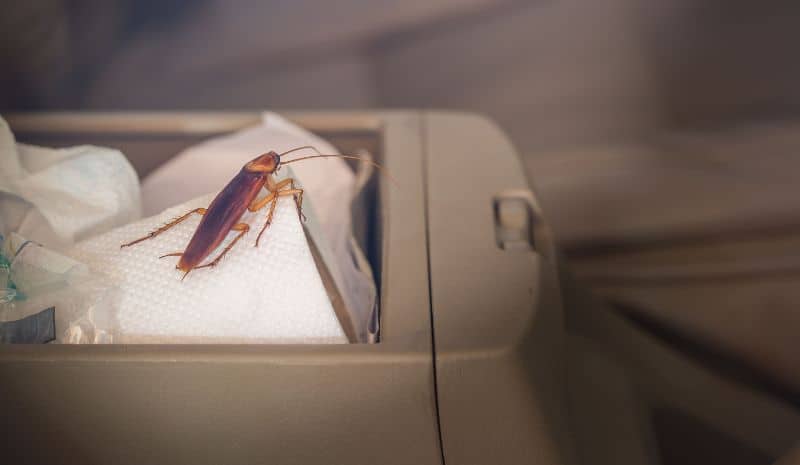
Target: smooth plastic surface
497, 314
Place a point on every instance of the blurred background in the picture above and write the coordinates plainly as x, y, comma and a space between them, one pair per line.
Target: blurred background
553, 73
662, 135
711, 82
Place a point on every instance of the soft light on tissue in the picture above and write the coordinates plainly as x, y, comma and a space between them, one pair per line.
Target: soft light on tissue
57, 197
272, 293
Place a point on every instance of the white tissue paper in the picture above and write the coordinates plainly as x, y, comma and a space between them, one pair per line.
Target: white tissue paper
329, 183
272, 293
57, 197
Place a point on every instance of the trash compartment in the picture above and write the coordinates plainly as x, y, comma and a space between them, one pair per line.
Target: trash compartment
468, 368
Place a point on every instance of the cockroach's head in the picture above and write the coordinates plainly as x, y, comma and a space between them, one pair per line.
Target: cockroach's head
266, 163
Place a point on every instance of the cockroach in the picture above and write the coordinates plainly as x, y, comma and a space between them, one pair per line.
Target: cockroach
227, 208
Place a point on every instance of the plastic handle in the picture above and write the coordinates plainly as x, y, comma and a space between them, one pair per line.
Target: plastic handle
519, 224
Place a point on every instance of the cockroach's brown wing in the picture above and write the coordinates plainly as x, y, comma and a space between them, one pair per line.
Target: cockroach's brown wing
225, 210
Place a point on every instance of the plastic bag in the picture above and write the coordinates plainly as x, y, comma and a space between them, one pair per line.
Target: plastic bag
83, 299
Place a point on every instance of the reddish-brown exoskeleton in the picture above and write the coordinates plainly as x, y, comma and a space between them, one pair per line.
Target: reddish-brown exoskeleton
227, 208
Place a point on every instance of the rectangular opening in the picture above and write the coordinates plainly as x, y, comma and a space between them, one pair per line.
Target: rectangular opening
149, 140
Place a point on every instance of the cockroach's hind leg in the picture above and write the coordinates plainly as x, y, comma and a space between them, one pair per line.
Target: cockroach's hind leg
207, 265
175, 254
242, 228
156, 232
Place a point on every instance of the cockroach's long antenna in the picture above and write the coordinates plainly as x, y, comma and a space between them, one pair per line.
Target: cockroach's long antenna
299, 148
382, 170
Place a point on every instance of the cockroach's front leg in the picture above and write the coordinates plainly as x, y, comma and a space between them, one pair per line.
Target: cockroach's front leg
283, 193
242, 228
154, 233
258, 204
277, 190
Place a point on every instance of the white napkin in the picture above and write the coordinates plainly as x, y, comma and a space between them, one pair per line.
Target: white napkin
269, 294
59, 196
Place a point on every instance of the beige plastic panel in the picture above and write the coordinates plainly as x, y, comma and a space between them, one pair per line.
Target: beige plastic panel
498, 320
309, 404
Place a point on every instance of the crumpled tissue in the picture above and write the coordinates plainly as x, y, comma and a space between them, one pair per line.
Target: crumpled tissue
57, 197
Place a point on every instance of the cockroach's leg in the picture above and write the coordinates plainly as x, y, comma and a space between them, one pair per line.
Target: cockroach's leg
154, 233
176, 254
242, 228
271, 212
258, 204
283, 193
298, 201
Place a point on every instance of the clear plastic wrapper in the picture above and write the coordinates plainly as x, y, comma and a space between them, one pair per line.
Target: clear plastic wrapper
83, 300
